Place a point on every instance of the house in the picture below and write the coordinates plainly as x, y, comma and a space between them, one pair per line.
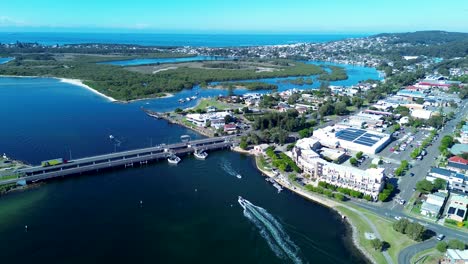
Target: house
457, 207
457, 163
459, 149
210, 109
260, 149
456, 181
434, 202
455, 256
230, 128
464, 134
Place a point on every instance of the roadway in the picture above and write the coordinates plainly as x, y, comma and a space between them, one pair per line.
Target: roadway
407, 253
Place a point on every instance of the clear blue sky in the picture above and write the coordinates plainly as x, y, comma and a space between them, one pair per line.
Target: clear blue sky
266, 16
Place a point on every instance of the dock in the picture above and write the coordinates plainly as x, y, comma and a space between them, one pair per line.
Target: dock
123, 159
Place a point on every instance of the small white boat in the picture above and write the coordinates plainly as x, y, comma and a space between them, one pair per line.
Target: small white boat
173, 159
181, 101
278, 187
200, 154
193, 97
239, 176
187, 99
111, 137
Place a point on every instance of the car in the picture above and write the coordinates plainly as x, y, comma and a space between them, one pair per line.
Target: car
440, 237
397, 217
411, 174
402, 202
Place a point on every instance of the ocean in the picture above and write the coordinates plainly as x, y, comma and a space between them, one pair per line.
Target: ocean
146, 39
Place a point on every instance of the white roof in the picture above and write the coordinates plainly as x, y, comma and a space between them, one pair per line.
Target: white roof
457, 254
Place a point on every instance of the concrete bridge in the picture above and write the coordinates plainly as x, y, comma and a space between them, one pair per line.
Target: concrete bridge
125, 159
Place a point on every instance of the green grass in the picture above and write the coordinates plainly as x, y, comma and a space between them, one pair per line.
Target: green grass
396, 240
428, 256
263, 163
362, 227
8, 177
203, 104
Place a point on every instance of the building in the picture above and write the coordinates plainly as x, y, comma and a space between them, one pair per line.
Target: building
215, 119
334, 155
459, 149
458, 164
369, 182
455, 256
352, 138
464, 134
434, 202
457, 207
421, 114
456, 181
260, 149
230, 128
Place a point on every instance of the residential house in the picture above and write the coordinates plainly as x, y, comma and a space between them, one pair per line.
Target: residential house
434, 202
456, 181
455, 256
457, 207
458, 164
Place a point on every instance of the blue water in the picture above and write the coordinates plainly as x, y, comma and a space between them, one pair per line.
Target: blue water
5, 60
355, 74
165, 60
44, 118
190, 212
208, 40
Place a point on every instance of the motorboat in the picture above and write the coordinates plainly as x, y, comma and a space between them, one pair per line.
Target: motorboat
200, 154
173, 159
278, 187
239, 176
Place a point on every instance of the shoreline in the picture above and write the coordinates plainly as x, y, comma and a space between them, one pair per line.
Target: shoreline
319, 200
80, 83
76, 82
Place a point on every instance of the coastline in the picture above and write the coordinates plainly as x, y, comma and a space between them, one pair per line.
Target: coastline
80, 83
320, 200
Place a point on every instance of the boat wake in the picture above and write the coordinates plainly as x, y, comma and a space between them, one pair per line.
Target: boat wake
227, 167
272, 231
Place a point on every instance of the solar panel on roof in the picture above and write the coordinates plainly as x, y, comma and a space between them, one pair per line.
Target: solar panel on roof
461, 212
451, 210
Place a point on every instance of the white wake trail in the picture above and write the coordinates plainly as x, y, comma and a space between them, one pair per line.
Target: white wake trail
272, 231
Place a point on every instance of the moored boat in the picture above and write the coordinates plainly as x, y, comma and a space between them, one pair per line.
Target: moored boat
173, 159
200, 154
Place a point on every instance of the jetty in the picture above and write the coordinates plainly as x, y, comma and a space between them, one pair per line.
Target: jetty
123, 159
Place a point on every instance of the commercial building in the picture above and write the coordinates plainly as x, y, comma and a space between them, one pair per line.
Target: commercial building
369, 182
215, 119
352, 138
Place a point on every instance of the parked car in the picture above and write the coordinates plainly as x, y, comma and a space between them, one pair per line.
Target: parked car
440, 237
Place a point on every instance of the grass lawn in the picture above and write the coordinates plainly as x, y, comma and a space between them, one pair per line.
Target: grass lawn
8, 177
362, 227
396, 240
263, 163
204, 103
430, 256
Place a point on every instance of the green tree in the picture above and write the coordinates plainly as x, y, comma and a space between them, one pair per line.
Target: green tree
359, 155
440, 184
340, 108
441, 246
415, 231
400, 225
456, 244
377, 244
339, 196
424, 186
243, 143
353, 161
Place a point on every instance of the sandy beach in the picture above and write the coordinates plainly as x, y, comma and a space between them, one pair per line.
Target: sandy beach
81, 84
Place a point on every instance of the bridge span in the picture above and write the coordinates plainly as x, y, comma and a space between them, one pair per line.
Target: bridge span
129, 158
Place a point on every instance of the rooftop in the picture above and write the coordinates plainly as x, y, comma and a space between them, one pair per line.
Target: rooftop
458, 149
359, 136
457, 254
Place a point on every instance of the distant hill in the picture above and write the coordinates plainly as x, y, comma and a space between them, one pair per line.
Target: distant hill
430, 43
426, 37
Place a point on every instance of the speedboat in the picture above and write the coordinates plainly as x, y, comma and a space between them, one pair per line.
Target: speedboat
239, 176
200, 154
173, 159
193, 97
111, 137
181, 101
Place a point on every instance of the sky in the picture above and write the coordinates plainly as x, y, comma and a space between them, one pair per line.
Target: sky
238, 16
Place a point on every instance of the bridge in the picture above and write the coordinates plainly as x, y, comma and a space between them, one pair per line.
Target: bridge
125, 159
